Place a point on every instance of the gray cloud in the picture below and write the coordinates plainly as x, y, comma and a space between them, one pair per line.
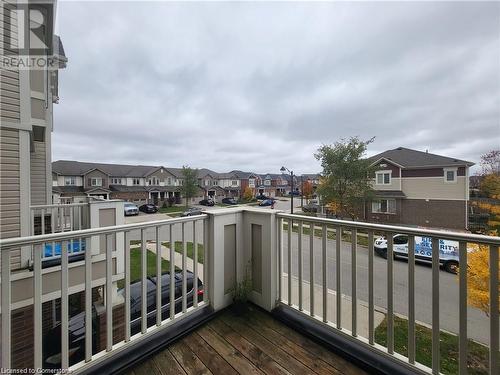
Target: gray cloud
257, 85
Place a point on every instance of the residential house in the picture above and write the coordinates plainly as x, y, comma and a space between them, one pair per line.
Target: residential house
208, 181
419, 188
74, 181
247, 180
230, 183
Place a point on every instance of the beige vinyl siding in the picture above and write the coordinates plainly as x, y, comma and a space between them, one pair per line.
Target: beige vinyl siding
9, 79
38, 174
434, 188
10, 221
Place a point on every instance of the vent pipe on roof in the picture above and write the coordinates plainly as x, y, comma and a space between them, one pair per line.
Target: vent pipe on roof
426, 150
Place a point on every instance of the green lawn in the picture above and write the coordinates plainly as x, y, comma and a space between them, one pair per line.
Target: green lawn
477, 354
189, 249
318, 232
135, 265
167, 210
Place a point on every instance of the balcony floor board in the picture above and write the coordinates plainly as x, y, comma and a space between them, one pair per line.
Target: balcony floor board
243, 344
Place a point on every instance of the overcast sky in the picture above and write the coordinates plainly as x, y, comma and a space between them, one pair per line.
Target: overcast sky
255, 86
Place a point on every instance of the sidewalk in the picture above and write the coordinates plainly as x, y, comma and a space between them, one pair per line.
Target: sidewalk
165, 254
346, 305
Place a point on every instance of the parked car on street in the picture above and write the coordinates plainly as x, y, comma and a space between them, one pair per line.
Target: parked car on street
192, 211
266, 202
207, 202
52, 339
148, 208
131, 209
310, 207
261, 197
229, 201
448, 250
295, 192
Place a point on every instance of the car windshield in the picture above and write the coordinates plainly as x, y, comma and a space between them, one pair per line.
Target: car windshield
129, 205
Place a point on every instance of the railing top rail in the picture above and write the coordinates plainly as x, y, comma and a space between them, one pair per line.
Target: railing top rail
32, 240
42, 206
442, 234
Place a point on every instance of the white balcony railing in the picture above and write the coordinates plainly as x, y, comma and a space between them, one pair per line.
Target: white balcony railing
232, 239
291, 289
60, 218
101, 268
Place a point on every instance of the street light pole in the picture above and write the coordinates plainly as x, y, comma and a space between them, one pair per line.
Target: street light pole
283, 169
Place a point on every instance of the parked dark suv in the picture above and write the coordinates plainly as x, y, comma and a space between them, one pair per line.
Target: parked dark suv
229, 201
52, 339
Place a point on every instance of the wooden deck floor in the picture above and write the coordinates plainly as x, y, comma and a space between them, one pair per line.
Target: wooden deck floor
251, 344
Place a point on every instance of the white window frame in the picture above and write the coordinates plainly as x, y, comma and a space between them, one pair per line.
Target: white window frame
116, 181
446, 170
383, 173
215, 183
169, 181
267, 182
95, 181
377, 206
234, 182
71, 179
136, 181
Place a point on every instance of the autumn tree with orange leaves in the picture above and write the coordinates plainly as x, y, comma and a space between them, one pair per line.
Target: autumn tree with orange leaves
478, 276
307, 189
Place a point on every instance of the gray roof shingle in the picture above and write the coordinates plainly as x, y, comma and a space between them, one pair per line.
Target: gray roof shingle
409, 158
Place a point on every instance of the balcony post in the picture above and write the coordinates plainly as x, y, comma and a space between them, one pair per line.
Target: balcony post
224, 255
260, 234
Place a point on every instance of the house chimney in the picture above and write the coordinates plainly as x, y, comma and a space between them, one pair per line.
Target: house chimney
426, 150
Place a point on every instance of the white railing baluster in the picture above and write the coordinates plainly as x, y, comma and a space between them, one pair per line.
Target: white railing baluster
158, 276
462, 309
71, 218
64, 306
184, 267
494, 366
6, 312
324, 260
126, 251
411, 299
109, 292
206, 274
289, 260
371, 307
195, 266
390, 294
338, 285
354, 298
311, 266
280, 259
172, 272
42, 222
37, 305
144, 285
435, 305
88, 303
299, 237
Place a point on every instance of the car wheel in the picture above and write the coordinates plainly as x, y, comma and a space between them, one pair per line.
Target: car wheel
451, 266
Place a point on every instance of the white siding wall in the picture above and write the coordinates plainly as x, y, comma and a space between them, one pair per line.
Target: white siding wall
434, 188
39, 174
9, 80
10, 218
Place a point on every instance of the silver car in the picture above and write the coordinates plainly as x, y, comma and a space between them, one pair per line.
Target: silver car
130, 209
192, 211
